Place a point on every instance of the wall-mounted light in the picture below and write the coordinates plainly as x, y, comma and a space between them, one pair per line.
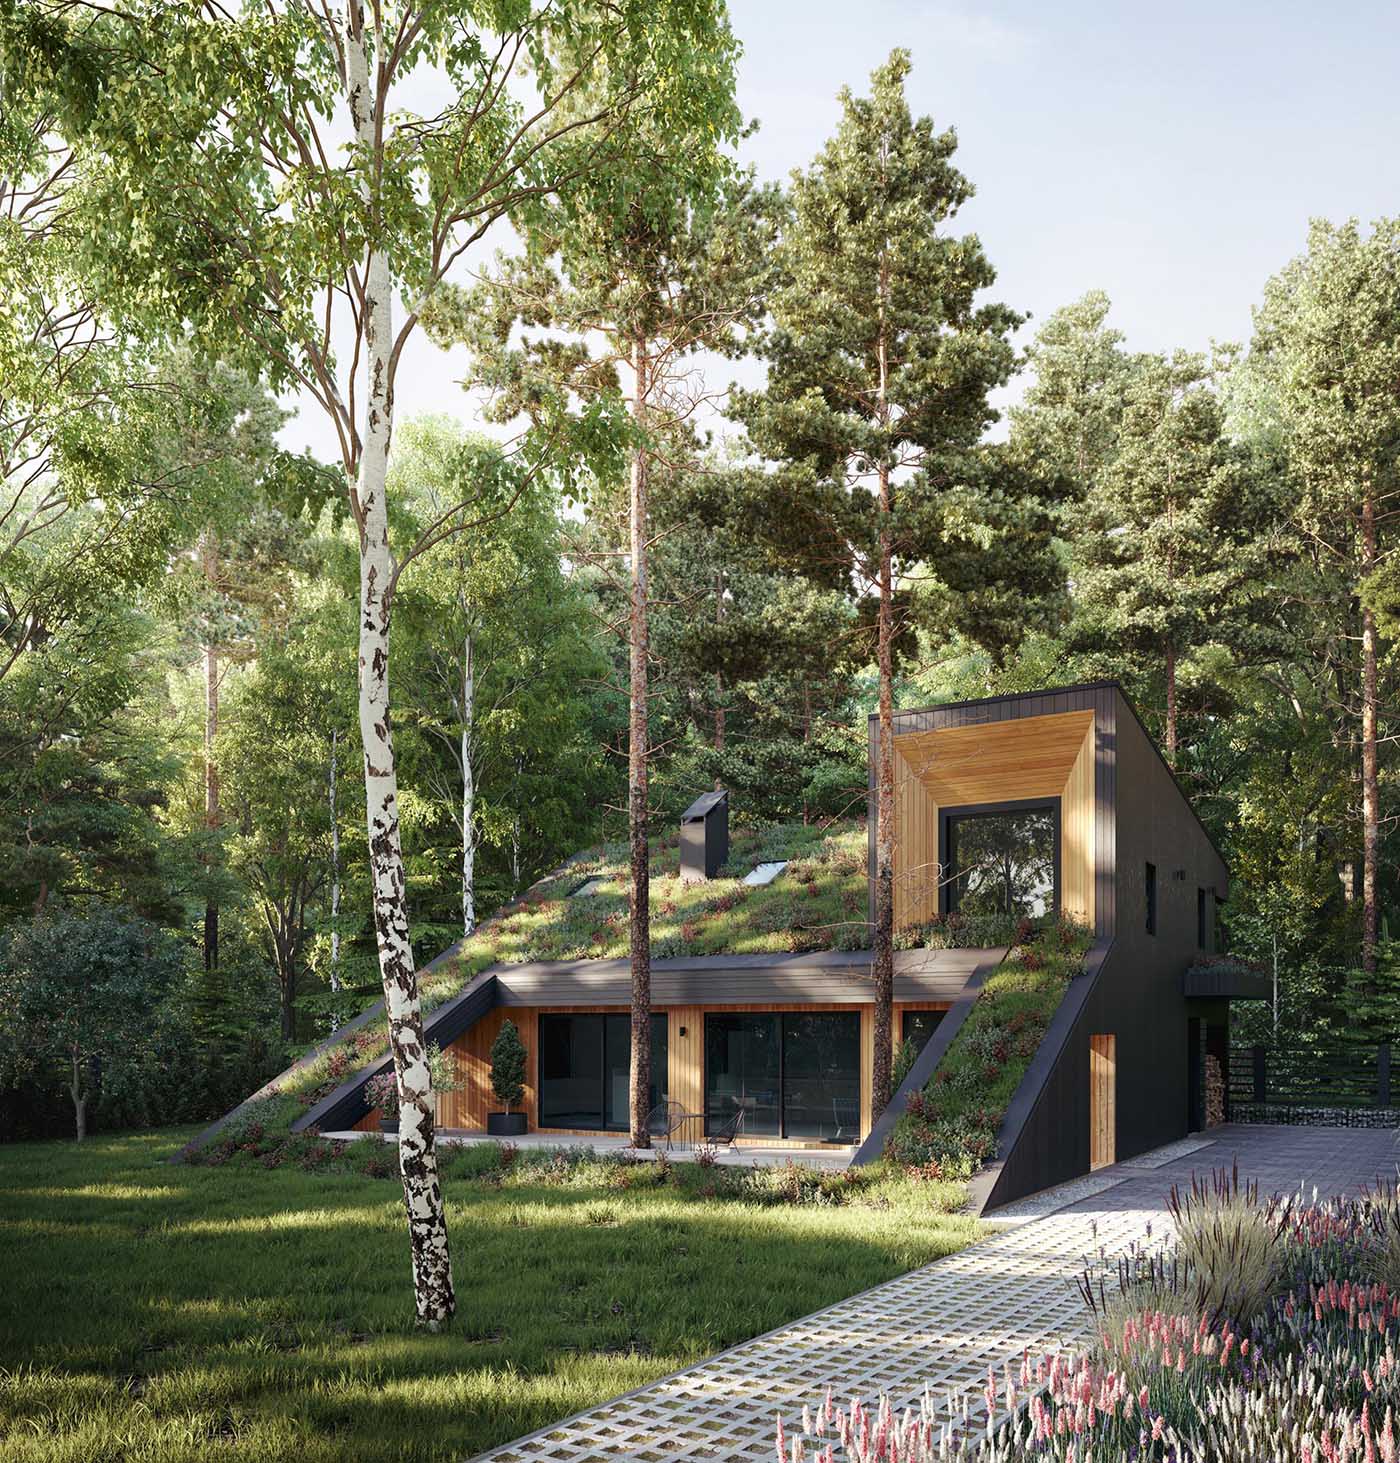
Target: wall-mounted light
682, 1030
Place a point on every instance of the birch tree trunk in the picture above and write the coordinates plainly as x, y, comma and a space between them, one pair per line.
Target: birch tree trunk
335, 869
1370, 773
427, 1223
208, 557
79, 1098
639, 924
468, 789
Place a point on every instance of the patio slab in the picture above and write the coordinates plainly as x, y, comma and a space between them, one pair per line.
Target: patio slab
744, 1156
943, 1325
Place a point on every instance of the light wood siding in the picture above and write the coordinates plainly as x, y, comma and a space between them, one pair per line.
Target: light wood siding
1000, 761
916, 867
1029, 757
1103, 1100
683, 1082
1077, 834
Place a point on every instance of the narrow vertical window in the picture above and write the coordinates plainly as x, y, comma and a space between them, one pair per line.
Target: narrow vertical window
1201, 918
1151, 883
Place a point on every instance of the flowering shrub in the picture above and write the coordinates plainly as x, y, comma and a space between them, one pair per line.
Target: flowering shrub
1313, 1377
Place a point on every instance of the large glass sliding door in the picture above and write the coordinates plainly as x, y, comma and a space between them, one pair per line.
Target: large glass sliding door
821, 1076
794, 1074
742, 1070
585, 1069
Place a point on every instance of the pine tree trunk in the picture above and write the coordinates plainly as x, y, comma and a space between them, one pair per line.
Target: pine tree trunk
468, 790
335, 867
427, 1222
883, 964
719, 679
1370, 776
637, 784
79, 1098
209, 565
1171, 706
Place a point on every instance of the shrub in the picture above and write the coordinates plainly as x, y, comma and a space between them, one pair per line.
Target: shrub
1229, 1241
382, 1092
508, 1065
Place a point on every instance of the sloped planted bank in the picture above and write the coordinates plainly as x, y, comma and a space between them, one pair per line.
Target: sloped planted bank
949, 1129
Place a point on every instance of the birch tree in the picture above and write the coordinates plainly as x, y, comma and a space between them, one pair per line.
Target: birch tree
256, 182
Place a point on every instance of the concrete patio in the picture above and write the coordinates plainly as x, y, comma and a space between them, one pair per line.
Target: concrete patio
943, 1325
743, 1156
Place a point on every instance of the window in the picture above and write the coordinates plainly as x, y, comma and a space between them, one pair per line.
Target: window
1151, 881
1002, 861
919, 1026
794, 1074
586, 1069
1201, 918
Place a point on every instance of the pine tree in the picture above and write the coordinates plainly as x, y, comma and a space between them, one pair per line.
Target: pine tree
1171, 551
881, 362
1329, 338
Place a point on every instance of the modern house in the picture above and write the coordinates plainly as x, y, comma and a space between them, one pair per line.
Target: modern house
1022, 805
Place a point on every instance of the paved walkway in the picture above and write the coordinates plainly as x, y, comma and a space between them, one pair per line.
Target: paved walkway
944, 1324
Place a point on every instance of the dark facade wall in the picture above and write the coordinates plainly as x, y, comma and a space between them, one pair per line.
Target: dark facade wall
1133, 988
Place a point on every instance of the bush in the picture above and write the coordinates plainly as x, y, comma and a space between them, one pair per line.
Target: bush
1230, 1243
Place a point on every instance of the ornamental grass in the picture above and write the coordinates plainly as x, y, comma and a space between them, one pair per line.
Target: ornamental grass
1295, 1359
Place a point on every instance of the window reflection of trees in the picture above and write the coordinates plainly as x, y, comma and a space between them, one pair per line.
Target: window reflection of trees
1003, 863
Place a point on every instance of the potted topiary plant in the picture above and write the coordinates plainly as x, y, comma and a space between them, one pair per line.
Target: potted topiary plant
507, 1081
382, 1092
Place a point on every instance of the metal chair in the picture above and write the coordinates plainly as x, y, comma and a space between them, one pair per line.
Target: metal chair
728, 1131
666, 1119
845, 1114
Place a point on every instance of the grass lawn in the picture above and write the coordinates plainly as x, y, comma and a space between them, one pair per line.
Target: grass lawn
156, 1312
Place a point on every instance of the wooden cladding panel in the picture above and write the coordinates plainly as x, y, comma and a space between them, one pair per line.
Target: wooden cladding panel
916, 867
1077, 830
1103, 1100
469, 1107
1028, 757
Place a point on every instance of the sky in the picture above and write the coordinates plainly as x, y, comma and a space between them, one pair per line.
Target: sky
1170, 155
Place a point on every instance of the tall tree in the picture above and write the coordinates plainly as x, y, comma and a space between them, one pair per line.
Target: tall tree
1171, 550
881, 361
1329, 335
645, 267
223, 204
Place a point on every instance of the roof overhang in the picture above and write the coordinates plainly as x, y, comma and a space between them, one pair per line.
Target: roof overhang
1226, 982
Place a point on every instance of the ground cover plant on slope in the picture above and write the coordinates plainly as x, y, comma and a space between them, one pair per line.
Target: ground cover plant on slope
949, 1130
171, 1313
1262, 1331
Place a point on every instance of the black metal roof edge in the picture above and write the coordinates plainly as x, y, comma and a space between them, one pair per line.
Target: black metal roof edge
446, 1022
1105, 685
1005, 696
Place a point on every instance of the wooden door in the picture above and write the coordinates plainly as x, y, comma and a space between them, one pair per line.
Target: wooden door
1103, 1092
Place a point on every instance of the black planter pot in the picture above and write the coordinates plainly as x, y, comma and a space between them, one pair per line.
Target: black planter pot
505, 1124
388, 1125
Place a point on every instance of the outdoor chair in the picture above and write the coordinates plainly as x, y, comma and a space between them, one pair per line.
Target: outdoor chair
667, 1119
846, 1116
728, 1131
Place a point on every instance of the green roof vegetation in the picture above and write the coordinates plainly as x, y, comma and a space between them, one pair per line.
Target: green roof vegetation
817, 903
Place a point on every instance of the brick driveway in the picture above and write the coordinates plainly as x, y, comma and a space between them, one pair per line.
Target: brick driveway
942, 1325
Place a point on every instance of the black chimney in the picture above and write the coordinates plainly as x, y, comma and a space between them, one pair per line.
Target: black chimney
705, 837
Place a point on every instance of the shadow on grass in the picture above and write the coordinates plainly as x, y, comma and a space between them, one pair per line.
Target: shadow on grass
271, 1310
